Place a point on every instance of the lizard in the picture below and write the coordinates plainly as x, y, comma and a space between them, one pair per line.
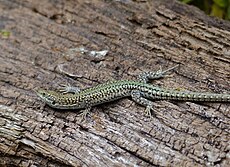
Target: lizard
140, 91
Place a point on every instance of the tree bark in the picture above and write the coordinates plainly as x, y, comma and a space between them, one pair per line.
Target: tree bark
83, 43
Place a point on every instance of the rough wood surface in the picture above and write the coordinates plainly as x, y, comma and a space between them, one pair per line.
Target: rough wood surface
139, 36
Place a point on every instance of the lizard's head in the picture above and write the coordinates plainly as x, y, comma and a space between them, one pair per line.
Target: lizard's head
49, 97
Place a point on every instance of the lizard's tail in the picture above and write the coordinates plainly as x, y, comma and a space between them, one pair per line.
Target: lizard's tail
193, 96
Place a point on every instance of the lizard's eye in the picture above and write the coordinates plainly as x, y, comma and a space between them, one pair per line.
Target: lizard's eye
53, 102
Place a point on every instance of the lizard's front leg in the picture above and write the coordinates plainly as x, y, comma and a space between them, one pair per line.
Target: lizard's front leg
67, 88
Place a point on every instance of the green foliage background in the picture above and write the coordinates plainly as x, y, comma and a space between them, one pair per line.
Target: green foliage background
218, 8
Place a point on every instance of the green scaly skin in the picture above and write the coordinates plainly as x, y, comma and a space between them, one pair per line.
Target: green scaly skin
140, 91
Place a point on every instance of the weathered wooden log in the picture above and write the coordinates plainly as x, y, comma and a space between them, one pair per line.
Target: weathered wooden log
84, 43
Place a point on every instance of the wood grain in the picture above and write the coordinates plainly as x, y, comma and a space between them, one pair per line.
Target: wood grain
139, 36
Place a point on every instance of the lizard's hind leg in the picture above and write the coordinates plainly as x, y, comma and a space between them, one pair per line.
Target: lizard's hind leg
138, 98
146, 76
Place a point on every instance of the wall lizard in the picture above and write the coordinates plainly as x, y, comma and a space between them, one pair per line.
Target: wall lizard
139, 90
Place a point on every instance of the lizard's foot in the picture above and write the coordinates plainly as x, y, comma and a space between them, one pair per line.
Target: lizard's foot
84, 114
148, 111
67, 88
